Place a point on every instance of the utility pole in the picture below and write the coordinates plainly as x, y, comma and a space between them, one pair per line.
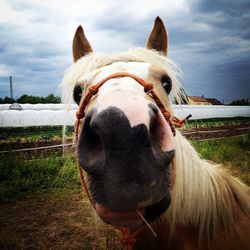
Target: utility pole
11, 88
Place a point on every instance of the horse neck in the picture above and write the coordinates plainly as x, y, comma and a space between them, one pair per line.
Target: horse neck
204, 195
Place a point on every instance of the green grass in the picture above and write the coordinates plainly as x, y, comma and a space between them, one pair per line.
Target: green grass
18, 176
233, 153
34, 133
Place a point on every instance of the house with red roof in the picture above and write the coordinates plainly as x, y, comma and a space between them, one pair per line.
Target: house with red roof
201, 100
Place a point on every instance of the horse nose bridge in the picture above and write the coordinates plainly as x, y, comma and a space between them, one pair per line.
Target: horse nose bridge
137, 109
120, 118
114, 125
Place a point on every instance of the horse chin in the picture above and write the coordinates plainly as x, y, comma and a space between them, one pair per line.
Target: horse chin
132, 219
120, 219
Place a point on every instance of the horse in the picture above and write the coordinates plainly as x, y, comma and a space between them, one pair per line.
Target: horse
141, 175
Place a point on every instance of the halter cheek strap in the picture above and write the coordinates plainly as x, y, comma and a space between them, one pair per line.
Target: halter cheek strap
128, 238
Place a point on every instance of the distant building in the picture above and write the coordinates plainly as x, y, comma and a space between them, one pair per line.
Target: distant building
214, 101
198, 100
201, 100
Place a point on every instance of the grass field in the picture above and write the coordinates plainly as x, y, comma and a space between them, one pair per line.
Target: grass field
42, 206
19, 176
233, 153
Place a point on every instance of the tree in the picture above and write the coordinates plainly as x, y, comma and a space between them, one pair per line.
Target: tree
29, 99
51, 98
241, 102
6, 99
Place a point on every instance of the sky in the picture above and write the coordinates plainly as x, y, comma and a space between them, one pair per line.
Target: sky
210, 40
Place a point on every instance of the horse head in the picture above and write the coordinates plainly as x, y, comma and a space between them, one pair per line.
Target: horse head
129, 155
125, 145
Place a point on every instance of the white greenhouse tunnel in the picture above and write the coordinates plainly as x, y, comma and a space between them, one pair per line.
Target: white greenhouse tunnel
59, 114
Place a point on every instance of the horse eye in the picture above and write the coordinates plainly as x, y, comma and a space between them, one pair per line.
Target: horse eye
166, 83
77, 94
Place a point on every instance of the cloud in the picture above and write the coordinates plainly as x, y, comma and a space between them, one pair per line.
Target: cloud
5, 70
210, 40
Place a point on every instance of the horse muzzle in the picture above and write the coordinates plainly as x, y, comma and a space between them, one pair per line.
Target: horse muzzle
127, 168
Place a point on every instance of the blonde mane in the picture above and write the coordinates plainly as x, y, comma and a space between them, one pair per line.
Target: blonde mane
89, 66
204, 196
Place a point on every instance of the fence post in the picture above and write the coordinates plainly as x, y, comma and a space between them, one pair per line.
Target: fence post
196, 129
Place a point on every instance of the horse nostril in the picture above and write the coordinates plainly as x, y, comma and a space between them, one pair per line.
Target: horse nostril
90, 147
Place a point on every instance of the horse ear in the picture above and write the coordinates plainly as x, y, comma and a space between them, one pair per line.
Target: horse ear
158, 38
81, 45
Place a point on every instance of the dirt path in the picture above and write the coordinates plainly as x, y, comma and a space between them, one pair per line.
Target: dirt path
60, 220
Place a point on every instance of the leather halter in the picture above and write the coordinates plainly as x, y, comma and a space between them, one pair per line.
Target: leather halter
128, 238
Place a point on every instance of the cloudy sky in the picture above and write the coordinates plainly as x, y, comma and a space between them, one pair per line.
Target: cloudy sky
210, 40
